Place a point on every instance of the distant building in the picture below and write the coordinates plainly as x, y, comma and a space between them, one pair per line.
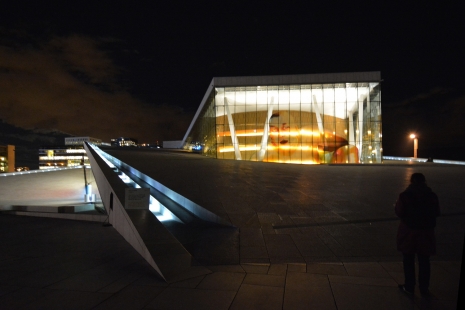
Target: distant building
62, 156
123, 142
81, 140
7, 158
155, 145
69, 155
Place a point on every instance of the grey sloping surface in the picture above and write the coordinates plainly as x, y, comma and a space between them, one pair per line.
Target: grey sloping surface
229, 187
300, 213
183, 208
169, 255
50, 188
310, 245
195, 177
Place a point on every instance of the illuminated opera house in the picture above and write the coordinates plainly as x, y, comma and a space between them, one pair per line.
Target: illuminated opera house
302, 119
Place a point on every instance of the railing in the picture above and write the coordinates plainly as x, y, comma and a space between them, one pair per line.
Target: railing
424, 160
7, 174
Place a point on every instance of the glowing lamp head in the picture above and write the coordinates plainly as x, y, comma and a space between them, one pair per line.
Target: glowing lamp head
412, 136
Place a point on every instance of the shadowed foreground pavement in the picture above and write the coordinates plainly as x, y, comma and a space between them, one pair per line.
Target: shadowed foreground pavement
63, 264
320, 237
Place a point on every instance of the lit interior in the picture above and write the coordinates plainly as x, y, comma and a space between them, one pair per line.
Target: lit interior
307, 123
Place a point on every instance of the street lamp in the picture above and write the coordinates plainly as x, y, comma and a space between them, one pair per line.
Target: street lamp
415, 145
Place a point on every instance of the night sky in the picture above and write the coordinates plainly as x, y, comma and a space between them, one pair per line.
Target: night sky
138, 70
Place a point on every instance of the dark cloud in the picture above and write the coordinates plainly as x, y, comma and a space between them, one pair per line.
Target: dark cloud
422, 97
82, 55
71, 84
111, 70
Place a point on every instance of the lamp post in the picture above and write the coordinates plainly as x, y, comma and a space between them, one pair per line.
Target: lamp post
415, 145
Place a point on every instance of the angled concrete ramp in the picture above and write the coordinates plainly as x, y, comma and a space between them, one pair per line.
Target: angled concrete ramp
141, 228
183, 208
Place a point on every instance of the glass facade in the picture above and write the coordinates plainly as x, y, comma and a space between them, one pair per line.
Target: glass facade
81, 140
60, 157
301, 123
7, 158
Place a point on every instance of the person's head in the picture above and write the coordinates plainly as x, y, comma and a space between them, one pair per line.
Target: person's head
417, 178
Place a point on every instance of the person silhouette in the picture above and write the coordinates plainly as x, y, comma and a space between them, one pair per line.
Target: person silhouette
417, 207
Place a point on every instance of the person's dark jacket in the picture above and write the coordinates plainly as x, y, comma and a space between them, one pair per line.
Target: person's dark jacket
417, 207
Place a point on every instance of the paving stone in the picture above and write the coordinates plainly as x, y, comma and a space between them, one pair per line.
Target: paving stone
316, 250
356, 259
368, 269
256, 268
269, 218
258, 297
287, 251
392, 266
351, 296
253, 252
131, 297
251, 237
265, 279
225, 281
289, 260
297, 267
255, 261
362, 280
227, 268
188, 283
150, 279
398, 276
319, 259
17, 298
185, 298
92, 280
121, 283
68, 300
326, 268
302, 281
315, 297
278, 269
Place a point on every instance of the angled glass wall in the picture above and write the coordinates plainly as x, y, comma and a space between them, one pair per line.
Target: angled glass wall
302, 124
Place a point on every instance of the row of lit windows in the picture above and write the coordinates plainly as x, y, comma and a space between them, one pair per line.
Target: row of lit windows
61, 157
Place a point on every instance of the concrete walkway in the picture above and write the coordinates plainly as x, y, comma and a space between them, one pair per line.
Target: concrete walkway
62, 264
45, 188
319, 237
